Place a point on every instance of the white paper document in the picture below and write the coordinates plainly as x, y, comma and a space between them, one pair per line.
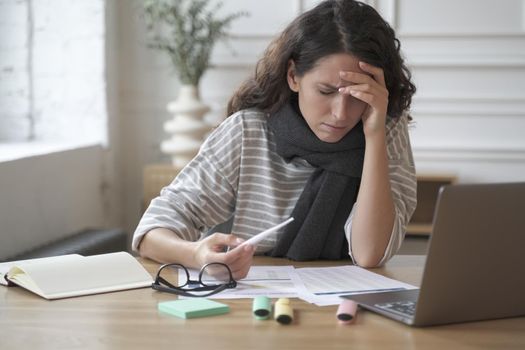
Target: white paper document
317, 285
325, 285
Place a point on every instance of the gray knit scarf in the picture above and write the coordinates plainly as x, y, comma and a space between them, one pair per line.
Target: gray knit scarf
329, 194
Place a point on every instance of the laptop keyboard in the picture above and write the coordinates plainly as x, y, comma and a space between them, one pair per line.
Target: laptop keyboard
406, 308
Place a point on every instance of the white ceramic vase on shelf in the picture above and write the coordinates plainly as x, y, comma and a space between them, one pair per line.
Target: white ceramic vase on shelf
187, 127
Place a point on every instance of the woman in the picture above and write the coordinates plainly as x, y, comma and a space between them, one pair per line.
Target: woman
319, 133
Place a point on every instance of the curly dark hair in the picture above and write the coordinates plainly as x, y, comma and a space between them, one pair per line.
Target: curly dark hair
333, 26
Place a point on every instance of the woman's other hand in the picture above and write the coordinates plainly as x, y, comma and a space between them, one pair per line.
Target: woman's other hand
371, 89
211, 249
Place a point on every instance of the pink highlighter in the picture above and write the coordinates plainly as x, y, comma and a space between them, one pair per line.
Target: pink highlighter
346, 311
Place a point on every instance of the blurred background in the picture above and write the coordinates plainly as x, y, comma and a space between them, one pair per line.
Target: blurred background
83, 103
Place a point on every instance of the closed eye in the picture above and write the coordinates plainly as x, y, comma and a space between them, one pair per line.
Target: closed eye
327, 92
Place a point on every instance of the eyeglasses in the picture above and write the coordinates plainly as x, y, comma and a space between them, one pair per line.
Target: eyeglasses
175, 278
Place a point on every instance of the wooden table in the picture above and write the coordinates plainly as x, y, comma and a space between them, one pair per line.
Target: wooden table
129, 320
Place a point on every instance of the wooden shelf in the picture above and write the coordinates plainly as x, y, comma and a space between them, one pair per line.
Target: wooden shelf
419, 229
156, 177
428, 186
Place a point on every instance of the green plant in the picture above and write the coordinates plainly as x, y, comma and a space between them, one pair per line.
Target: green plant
187, 31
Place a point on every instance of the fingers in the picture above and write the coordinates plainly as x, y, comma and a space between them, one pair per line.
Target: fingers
369, 94
218, 241
375, 77
368, 88
211, 248
238, 260
368, 98
354, 79
376, 72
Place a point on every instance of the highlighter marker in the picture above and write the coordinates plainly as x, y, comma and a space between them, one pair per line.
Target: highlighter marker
283, 312
346, 311
262, 307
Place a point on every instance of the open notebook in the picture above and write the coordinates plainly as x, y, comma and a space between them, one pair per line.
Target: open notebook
75, 275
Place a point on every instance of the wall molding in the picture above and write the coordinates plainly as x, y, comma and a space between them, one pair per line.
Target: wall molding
475, 99
502, 155
469, 106
467, 61
459, 35
420, 112
503, 62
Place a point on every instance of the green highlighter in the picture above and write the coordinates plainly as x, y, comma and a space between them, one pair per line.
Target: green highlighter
192, 308
262, 307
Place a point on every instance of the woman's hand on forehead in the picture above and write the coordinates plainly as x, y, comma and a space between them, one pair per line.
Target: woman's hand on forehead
369, 87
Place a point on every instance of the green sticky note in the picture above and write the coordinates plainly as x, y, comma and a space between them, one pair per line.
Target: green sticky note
191, 308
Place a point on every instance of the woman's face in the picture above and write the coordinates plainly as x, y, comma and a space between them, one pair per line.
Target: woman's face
328, 113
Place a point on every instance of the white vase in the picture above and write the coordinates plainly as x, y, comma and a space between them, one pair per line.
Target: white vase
187, 128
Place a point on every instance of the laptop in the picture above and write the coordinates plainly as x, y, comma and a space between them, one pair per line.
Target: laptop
475, 265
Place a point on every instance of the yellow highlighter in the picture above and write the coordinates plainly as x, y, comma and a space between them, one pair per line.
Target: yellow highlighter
283, 312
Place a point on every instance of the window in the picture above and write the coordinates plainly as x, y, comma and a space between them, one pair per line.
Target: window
52, 72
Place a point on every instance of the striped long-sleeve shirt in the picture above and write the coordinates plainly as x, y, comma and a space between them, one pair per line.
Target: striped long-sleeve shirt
237, 173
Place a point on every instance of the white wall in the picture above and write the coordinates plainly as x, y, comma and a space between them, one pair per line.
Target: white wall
45, 197
52, 83
55, 178
468, 60
14, 76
